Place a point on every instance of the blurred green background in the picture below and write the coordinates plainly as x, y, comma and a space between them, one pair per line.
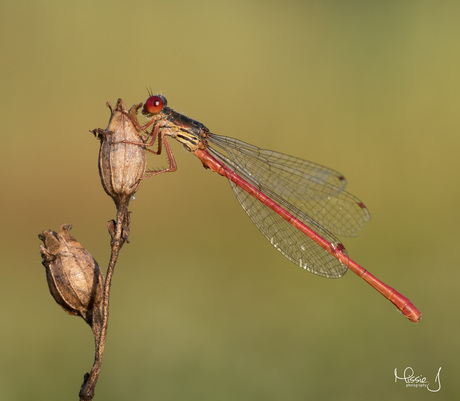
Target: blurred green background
203, 308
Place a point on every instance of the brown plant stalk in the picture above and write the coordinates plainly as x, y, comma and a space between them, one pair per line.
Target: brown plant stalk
121, 167
100, 334
73, 275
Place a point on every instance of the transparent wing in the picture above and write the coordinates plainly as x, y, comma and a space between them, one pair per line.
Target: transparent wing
292, 243
314, 191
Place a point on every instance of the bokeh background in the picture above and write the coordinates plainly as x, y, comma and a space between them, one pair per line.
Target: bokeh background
203, 308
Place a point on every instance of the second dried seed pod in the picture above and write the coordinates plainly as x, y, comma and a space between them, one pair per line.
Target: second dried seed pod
74, 278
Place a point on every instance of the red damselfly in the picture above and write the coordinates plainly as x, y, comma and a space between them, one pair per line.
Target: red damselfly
299, 206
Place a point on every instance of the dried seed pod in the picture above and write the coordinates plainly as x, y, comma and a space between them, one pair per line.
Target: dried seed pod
74, 278
121, 165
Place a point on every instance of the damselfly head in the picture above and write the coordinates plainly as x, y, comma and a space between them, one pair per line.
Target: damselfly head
154, 105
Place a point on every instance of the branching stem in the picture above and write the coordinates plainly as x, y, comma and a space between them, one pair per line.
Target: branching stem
118, 231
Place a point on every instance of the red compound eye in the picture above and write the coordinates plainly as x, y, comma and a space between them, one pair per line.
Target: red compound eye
154, 104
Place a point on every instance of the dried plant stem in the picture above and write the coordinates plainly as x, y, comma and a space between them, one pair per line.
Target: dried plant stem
121, 167
73, 275
119, 232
